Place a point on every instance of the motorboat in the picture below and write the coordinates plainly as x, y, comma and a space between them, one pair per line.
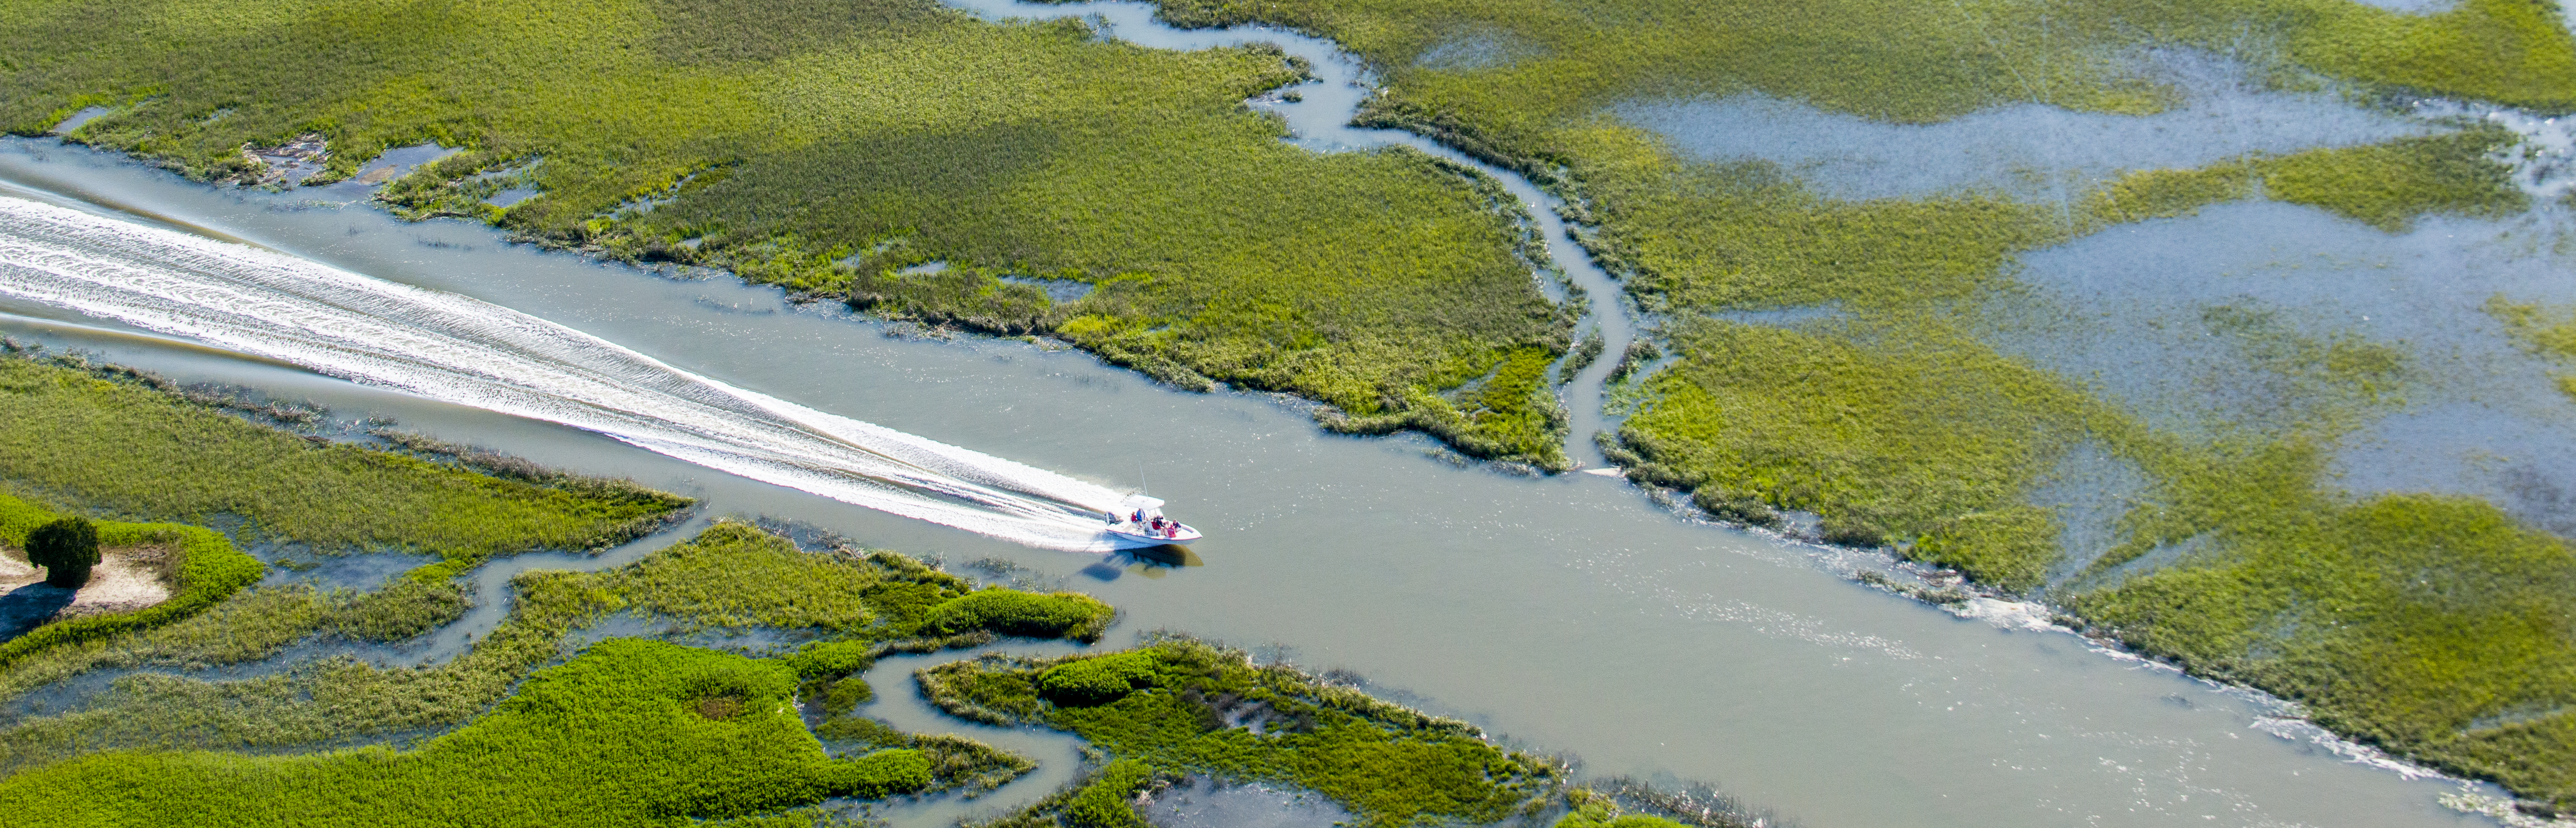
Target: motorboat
1139, 522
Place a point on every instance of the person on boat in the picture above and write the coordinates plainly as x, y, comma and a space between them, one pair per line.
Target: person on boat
1138, 517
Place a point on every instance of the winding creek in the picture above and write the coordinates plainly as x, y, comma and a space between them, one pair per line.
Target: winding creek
1570, 614
1320, 120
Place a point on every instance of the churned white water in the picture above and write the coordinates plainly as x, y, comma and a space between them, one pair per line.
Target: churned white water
462, 350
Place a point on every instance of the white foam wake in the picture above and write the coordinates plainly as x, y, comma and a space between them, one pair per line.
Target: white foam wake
466, 351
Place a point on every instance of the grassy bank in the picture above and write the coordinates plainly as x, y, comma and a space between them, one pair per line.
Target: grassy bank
877, 136
69, 436
627, 733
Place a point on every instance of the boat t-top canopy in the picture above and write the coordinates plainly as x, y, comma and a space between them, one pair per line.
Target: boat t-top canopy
1137, 501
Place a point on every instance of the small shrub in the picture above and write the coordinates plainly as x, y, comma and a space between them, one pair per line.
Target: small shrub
66, 548
860, 729
830, 658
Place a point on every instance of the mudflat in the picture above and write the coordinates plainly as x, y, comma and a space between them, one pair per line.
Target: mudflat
126, 579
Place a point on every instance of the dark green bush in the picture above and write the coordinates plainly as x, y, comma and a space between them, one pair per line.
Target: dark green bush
67, 548
837, 696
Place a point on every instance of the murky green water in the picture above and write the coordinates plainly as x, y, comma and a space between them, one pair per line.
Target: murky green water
1569, 614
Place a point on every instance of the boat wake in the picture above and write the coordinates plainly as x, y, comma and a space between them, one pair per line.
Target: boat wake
462, 350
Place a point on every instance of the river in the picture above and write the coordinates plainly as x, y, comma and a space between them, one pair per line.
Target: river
1570, 614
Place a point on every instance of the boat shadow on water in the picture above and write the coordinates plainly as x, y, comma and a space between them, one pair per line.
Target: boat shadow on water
1148, 561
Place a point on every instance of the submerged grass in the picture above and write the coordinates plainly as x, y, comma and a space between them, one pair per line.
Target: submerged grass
878, 135
2387, 186
2548, 333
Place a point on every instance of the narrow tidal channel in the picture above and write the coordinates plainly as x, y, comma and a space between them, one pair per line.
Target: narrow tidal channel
1320, 120
1568, 614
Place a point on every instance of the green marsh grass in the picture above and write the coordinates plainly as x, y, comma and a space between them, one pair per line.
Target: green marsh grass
730, 577
250, 626
1012, 612
1890, 430
617, 736
2417, 623
840, 143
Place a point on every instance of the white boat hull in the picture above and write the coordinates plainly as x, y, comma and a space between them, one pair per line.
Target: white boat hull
1131, 536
